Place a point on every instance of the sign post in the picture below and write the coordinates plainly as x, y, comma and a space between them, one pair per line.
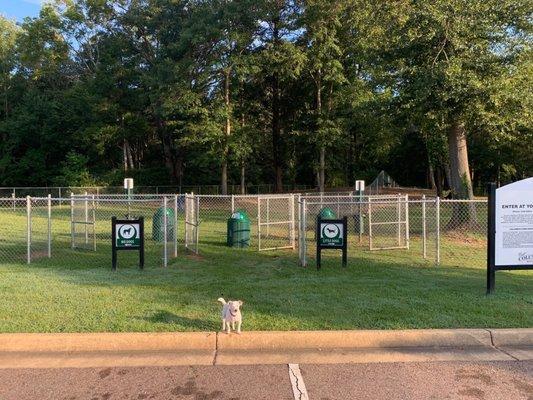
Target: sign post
128, 187
510, 229
127, 234
331, 234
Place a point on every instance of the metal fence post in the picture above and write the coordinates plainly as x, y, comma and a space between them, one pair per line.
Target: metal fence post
72, 224
407, 236
268, 217
232, 203
399, 221
94, 223
293, 225
299, 216
304, 234
14, 200
437, 212
259, 222
369, 224
186, 211
424, 242
300, 231
86, 205
197, 223
175, 225
28, 229
165, 232
49, 204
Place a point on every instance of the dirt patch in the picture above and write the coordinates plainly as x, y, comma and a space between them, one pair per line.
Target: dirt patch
194, 256
458, 237
104, 373
472, 392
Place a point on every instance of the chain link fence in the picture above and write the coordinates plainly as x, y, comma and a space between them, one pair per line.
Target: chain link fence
396, 228
272, 220
76, 231
463, 233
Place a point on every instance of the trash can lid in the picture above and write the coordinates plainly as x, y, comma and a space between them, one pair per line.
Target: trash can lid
161, 211
327, 213
240, 215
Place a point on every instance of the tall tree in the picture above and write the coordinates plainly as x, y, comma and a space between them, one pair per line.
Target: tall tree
322, 21
450, 60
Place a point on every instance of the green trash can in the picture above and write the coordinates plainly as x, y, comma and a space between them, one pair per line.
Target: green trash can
238, 230
158, 225
359, 223
327, 213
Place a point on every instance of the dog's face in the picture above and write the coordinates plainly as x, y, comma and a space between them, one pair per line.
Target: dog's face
234, 306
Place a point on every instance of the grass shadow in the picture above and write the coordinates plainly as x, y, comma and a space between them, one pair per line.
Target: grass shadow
169, 318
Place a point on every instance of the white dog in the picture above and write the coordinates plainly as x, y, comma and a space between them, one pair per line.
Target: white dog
231, 313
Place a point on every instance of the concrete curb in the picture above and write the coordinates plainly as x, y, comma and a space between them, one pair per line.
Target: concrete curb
60, 350
512, 337
355, 339
263, 340
99, 342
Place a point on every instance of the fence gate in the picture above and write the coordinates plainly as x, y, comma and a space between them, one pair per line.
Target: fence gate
388, 223
82, 222
192, 222
276, 222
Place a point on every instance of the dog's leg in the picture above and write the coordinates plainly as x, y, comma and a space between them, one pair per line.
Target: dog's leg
239, 327
233, 325
227, 327
223, 324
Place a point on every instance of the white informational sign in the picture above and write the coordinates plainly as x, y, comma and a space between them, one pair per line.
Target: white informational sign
514, 224
360, 186
128, 183
128, 235
331, 234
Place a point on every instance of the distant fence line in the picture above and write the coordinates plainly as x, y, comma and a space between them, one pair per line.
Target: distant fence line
427, 229
65, 191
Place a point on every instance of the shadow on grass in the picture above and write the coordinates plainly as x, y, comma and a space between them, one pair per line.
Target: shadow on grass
166, 317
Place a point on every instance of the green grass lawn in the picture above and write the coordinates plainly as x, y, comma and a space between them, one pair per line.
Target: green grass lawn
77, 291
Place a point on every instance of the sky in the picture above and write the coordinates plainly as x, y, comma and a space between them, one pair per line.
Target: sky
18, 9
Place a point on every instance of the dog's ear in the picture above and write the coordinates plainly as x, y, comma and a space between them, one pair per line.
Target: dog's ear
240, 302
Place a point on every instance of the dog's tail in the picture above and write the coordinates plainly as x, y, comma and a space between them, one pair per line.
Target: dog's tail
221, 300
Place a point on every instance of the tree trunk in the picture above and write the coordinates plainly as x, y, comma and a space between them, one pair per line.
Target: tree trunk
124, 156
431, 176
461, 183
171, 163
227, 133
464, 215
277, 140
322, 169
276, 135
243, 179
129, 156
224, 177
439, 181
322, 150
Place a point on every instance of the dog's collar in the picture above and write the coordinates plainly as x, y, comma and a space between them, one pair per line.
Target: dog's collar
232, 314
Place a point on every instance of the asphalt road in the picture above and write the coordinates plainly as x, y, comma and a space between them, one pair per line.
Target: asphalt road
504, 380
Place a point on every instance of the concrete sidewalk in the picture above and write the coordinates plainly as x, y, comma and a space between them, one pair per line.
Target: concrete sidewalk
212, 348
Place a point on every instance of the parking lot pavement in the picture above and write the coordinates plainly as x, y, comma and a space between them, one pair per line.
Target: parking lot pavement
429, 380
508, 380
266, 382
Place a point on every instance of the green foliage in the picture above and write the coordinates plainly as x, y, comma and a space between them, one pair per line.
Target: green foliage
135, 86
73, 172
